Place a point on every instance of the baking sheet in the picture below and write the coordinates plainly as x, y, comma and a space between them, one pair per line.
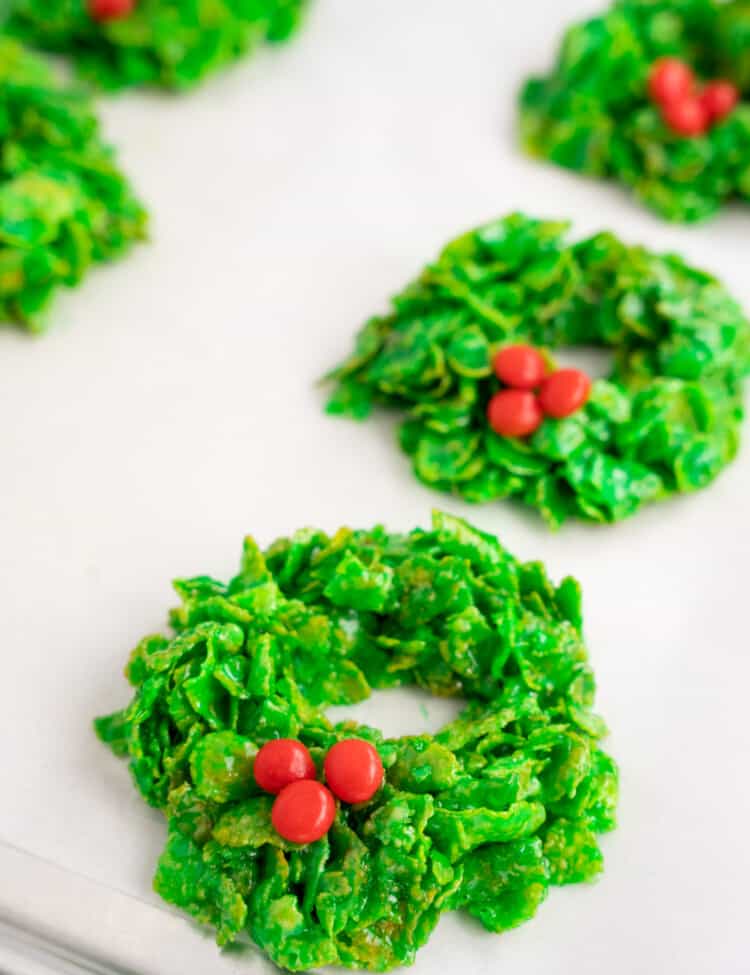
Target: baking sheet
173, 409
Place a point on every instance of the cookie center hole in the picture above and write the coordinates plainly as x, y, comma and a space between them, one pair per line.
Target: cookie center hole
401, 711
595, 361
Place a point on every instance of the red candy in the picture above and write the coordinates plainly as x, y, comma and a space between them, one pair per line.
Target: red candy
514, 413
110, 9
353, 770
280, 762
564, 392
303, 811
686, 111
671, 81
719, 99
687, 117
519, 366
103, 10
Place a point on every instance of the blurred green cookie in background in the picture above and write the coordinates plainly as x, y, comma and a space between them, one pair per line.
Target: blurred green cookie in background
168, 43
64, 204
597, 113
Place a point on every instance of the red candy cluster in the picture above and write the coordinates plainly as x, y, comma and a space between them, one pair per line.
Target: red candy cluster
304, 808
110, 9
532, 394
687, 108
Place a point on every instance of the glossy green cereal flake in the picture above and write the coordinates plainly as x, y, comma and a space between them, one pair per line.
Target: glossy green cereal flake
592, 112
666, 420
168, 43
64, 204
482, 817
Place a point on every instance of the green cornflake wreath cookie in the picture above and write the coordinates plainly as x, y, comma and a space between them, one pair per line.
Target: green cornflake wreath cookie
483, 817
64, 204
170, 43
666, 421
593, 112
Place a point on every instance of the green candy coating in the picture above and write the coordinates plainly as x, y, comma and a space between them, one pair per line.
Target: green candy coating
64, 204
666, 420
593, 112
482, 817
168, 43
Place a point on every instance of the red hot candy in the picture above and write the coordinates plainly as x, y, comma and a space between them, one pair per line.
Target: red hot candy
687, 117
564, 392
514, 413
353, 770
519, 366
719, 99
280, 762
671, 80
110, 9
303, 811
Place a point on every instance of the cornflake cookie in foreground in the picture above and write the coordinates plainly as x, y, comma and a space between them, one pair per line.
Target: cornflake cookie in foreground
64, 204
599, 111
667, 419
169, 43
482, 817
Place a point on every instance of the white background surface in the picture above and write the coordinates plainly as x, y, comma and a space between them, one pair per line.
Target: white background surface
172, 409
